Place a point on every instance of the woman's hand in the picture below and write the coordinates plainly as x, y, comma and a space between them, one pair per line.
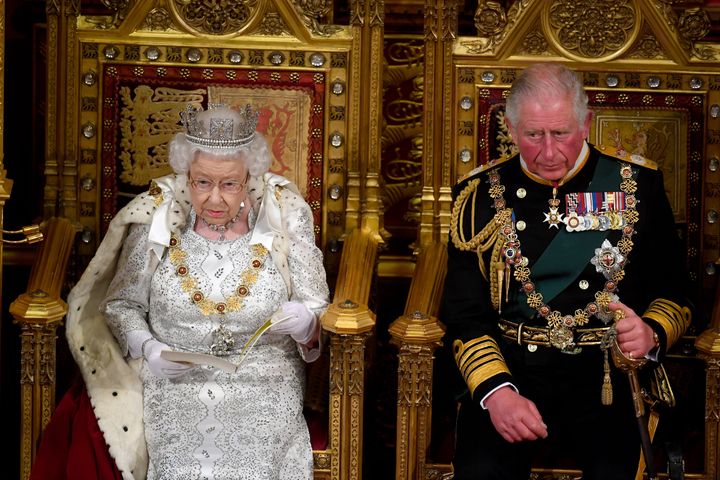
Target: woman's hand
295, 319
158, 365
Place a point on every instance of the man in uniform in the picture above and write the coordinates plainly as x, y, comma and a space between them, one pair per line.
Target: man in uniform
548, 249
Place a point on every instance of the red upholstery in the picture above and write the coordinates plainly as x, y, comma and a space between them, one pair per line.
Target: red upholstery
72, 445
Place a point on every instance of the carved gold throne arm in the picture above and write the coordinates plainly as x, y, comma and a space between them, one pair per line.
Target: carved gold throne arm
349, 322
39, 312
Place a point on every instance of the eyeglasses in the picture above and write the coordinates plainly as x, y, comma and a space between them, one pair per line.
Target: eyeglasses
204, 185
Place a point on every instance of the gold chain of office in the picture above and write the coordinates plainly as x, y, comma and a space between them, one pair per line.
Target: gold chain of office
190, 284
560, 325
500, 235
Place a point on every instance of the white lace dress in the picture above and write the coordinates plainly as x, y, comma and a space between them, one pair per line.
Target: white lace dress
209, 424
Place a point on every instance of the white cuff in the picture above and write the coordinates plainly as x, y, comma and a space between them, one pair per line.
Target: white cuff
136, 340
506, 384
312, 354
309, 354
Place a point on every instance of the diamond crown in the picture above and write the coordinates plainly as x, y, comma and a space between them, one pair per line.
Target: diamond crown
219, 126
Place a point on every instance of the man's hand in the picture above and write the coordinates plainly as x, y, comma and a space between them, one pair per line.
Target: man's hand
634, 336
515, 417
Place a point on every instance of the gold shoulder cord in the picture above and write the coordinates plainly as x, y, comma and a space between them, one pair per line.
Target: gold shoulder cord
487, 238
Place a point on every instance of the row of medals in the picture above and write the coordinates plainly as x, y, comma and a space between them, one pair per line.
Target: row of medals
602, 221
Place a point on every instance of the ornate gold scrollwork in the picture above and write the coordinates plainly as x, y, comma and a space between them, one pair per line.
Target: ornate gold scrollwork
693, 24
119, 7
221, 17
586, 30
313, 11
490, 19
489, 43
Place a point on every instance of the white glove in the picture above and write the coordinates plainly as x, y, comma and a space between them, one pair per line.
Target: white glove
158, 365
296, 320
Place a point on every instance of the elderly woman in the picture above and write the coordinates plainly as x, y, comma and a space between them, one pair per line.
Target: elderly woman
198, 264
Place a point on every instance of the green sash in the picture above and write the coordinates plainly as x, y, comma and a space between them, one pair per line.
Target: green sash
569, 252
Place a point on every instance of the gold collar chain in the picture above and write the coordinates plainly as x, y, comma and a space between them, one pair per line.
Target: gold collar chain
190, 284
561, 326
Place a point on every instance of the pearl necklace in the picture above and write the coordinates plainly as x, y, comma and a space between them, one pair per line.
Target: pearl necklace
225, 227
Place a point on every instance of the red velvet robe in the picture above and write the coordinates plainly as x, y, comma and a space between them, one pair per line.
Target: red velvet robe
73, 446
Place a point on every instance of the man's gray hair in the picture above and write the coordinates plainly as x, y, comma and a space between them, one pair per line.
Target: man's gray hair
543, 80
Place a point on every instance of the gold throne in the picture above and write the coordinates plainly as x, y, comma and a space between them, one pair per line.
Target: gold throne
117, 81
654, 85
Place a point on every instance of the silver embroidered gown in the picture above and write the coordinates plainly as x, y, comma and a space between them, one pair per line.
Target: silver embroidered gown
209, 424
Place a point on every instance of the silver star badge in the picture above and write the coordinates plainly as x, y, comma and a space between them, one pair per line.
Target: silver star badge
607, 259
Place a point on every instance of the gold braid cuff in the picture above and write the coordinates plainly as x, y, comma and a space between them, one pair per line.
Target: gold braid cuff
673, 318
478, 360
482, 241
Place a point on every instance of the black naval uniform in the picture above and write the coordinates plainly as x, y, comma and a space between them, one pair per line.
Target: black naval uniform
564, 378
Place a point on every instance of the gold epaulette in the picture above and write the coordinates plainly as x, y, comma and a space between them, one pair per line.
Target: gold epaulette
467, 236
625, 156
485, 166
479, 360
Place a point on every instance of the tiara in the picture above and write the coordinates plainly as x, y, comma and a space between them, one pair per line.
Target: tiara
219, 131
